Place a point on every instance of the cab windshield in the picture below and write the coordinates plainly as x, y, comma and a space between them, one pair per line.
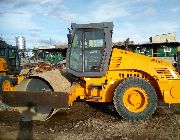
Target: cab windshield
86, 50
13, 60
12, 53
2, 52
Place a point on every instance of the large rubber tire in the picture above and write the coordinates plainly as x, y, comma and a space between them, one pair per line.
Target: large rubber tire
137, 84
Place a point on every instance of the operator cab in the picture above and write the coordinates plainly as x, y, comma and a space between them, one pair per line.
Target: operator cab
176, 63
89, 49
10, 55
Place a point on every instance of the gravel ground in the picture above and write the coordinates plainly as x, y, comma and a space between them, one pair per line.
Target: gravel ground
85, 122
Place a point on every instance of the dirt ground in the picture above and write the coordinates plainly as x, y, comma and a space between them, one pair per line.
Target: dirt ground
89, 122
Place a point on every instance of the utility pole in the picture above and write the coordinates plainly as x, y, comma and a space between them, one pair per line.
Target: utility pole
50, 41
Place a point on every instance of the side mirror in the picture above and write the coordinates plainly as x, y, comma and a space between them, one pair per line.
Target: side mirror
175, 64
69, 36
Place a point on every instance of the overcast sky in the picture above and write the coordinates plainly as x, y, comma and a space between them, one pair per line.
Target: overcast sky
40, 20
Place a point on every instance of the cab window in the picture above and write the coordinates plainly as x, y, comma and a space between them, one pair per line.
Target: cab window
2, 52
76, 52
12, 54
94, 43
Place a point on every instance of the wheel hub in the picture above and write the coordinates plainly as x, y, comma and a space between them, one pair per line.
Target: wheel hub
6, 85
135, 99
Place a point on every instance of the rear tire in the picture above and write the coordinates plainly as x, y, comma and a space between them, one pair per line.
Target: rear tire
135, 99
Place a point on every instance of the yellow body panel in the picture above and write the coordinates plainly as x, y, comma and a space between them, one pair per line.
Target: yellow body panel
6, 86
123, 64
3, 66
179, 48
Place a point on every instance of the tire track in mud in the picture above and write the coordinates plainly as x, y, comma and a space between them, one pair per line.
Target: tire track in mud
85, 122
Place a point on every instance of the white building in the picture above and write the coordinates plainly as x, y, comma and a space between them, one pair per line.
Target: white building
170, 37
21, 42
